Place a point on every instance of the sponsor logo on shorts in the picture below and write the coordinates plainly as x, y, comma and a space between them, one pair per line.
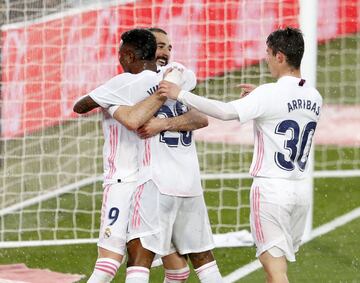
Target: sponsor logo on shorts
107, 232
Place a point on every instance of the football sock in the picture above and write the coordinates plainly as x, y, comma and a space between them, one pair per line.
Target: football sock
209, 273
137, 274
176, 275
104, 271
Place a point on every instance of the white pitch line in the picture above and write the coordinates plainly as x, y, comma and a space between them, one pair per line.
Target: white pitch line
324, 229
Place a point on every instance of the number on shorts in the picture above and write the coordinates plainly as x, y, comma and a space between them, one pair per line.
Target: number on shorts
113, 215
292, 144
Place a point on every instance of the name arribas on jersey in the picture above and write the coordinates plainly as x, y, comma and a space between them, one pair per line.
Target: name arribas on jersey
303, 104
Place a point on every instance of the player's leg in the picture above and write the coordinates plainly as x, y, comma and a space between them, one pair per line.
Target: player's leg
139, 262
176, 268
192, 235
150, 228
112, 236
275, 267
106, 266
271, 239
206, 267
271, 209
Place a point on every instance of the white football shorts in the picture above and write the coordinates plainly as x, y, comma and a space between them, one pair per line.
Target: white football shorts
115, 216
278, 212
167, 223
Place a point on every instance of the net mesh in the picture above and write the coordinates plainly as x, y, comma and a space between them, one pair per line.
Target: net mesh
54, 51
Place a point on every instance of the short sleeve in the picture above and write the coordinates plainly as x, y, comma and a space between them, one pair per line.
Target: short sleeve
125, 89
113, 92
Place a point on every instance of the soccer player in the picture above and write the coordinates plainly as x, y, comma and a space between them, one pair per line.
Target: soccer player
285, 116
120, 146
168, 211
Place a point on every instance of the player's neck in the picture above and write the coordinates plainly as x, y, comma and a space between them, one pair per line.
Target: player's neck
144, 65
150, 65
290, 72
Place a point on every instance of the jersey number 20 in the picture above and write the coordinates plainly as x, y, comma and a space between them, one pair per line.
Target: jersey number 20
298, 146
185, 137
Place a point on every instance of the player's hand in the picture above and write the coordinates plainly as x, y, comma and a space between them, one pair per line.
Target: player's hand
246, 89
169, 89
151, 128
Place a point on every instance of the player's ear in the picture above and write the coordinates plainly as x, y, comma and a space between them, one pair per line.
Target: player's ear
129, 57
132, 57
280, 57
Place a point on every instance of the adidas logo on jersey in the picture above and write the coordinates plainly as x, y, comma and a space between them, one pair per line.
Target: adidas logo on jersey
153, 90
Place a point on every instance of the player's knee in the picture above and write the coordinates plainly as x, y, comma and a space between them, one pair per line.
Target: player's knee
202, 258
275, 267
138, 255
104, 253
177, 275
174, 261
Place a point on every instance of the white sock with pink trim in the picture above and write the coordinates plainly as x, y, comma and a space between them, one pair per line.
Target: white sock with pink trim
209, 273
137, 274
104, 271
176, 275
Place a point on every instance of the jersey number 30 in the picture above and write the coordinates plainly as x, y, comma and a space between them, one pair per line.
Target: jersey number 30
298, 146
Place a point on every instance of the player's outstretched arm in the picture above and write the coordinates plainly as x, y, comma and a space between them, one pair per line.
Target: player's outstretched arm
133, 117
84, 104
190, 121
214, 108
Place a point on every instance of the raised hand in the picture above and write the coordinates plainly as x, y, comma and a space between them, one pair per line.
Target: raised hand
169, 89
246, 89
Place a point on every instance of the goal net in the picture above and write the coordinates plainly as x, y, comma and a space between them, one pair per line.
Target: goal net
53, 51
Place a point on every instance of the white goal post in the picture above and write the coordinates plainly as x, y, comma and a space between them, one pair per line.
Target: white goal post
53, 51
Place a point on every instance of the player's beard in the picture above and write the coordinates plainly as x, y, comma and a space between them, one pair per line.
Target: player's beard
162, 61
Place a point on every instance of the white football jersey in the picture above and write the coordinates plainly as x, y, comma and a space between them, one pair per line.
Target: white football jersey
285, 116
120, 151
169, 159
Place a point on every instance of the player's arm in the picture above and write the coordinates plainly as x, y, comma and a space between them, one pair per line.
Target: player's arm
190, 121
217, 109
84, 104
133, 117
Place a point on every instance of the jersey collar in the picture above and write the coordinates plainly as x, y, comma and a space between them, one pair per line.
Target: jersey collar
289, 79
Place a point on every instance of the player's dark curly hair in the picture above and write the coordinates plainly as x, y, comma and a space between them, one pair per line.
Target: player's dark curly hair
143, 42
288, 41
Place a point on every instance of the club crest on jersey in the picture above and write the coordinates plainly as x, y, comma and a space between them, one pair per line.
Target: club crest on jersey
153, 89
107, 232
